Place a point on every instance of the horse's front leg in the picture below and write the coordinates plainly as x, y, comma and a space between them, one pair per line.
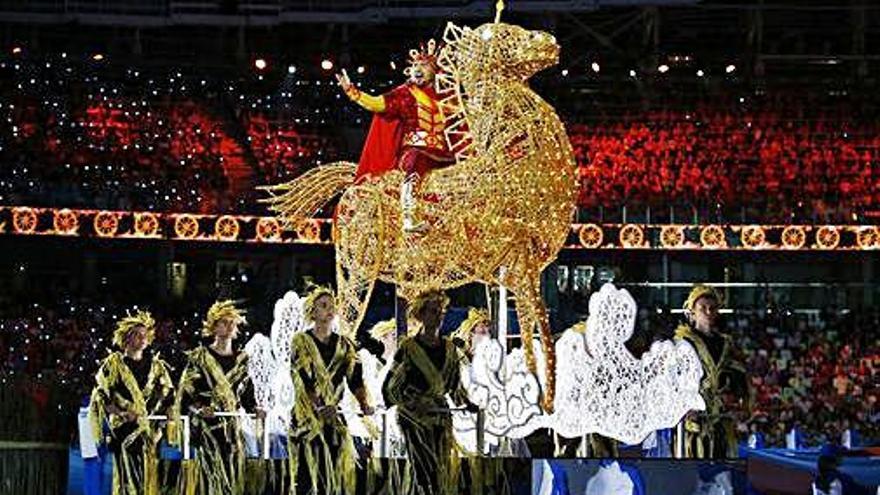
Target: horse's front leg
526, 283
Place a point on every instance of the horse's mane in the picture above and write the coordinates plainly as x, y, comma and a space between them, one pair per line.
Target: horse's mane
453, 97
468, 87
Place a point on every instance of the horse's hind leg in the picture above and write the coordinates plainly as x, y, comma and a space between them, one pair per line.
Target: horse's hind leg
359, 250
354, 290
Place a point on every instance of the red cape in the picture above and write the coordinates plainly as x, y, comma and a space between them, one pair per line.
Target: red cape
381, 148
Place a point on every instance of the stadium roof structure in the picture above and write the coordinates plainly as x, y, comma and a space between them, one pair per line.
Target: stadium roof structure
268, 12
812, 39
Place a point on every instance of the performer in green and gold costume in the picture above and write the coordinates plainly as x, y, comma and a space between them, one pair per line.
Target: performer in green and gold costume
322, 453
712, 433
131, 385
216, 380
426, 368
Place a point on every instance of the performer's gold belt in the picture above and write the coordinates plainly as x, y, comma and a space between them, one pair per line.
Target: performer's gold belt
423, 139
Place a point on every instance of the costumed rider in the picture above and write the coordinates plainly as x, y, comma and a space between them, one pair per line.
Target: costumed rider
407, 132
712, 433
131, 385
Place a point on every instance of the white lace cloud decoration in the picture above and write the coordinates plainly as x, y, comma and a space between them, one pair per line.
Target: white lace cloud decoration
506, 392
601, 387
269, 364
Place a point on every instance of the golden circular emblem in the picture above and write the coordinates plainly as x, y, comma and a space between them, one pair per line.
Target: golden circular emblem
591, 236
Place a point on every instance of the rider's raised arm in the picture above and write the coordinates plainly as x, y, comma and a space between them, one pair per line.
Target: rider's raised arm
375, 104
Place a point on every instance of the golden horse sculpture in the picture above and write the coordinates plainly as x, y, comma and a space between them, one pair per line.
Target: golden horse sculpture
499, 215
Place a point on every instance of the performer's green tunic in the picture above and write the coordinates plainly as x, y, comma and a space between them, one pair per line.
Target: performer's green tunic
322, 452
712, 433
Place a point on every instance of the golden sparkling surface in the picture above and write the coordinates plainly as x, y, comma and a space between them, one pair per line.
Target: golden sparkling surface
505, 207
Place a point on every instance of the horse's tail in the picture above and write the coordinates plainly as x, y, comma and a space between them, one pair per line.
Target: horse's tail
303, 196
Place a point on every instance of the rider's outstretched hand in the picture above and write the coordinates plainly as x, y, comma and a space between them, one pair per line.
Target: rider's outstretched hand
371, 103
344, 81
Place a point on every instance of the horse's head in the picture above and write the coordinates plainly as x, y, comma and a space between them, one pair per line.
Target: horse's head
499, 51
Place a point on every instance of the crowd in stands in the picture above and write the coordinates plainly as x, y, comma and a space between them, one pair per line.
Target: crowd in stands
710, 158
282, 149
83, 138
819, 374
95, 137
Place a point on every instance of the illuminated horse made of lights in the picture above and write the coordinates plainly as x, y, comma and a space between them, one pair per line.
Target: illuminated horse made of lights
499, 215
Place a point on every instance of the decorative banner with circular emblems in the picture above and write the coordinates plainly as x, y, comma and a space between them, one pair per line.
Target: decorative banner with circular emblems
186, 226
226, 228
672, 236
146, 225
24, 220
828, 237
65, 221
713, 237
108, 224
753, 236
794, 237
308, 230
268, 230
868, 237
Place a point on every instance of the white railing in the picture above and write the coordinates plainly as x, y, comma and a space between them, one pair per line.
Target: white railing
186, 428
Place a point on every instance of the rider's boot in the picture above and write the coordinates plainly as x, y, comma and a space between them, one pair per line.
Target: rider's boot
408, 205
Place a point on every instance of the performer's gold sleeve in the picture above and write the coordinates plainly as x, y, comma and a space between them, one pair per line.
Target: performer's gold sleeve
375, 104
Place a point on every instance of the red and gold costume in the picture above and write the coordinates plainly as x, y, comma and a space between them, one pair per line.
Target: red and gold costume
406, 133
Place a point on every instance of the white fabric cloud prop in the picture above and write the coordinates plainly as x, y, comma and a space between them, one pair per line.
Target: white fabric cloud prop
269, 364
600, 387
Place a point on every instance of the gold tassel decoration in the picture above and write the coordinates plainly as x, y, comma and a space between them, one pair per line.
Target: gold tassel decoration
301, 198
